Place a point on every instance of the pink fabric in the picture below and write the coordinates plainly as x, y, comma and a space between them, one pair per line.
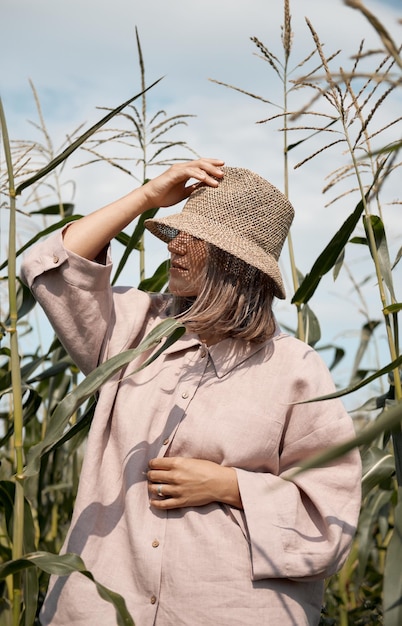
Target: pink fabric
212, 564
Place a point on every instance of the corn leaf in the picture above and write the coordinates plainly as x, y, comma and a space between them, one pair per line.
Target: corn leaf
382, 249
328, 257
63, 565
134, 241
43, 233
311, 326
393, 571
65, 209
389, 419
344, 392
169, 329
156, 282
377, 465
78, 142
368, 520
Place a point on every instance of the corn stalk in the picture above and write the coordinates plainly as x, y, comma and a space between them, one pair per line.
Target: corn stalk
18, 521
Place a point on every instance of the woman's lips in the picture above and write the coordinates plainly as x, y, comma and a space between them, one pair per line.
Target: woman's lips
177, 266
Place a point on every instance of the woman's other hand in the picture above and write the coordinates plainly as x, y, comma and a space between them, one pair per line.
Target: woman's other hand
175, 482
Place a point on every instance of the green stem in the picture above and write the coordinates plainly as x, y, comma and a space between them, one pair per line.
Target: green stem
295, 278
393, 347
144, 145
18, 519
380, 282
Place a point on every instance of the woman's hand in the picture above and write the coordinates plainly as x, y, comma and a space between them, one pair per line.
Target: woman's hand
175, 482
171, 187
89, 235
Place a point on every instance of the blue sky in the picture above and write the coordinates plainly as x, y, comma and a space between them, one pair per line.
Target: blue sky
81, 54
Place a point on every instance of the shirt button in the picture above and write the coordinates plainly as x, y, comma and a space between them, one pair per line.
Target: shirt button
153, 599
155, 543
165, 441
55, 258
184, 394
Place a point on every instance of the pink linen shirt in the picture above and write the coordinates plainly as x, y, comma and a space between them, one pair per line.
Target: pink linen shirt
232, 404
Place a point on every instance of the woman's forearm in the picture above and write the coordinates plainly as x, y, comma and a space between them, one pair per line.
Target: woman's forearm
88, 236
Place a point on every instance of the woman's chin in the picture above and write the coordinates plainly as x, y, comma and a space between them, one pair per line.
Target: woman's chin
180, 291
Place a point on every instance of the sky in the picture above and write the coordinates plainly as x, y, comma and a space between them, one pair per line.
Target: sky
82, 54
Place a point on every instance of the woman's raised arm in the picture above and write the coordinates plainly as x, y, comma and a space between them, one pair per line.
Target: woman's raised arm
88, 236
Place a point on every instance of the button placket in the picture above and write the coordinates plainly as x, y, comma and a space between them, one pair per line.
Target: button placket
185, 392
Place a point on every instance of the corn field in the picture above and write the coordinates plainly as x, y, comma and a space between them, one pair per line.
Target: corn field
46, 405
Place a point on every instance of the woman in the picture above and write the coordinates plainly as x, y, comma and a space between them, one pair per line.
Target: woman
187, 505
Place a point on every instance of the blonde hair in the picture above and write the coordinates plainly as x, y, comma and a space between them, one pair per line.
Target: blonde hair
234, 301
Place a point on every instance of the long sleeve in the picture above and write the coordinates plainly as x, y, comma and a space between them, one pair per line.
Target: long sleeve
302, 526
75, 295
92, 320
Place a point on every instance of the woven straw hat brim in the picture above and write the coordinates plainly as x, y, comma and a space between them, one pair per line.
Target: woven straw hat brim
221, 236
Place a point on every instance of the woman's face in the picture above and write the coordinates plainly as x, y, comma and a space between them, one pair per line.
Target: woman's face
188, 257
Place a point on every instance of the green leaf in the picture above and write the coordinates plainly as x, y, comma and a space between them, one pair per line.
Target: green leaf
123, 238
360, 240
7, 498
344, 392
365, 335
78, 142
31, 591
53, 370
43, 233
393, 571
63, 565
64, 209
377, 465
397, 258
311, 326
338, 264
397, 444
389, 419
7, 489
134, 241
81, 428
169, 329
339, 353
368, 519
26, 371
392, 308
157, 282
328, 258
25, 302
374, 223
330, 254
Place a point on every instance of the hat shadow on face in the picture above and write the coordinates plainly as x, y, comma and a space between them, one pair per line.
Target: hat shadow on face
245, 216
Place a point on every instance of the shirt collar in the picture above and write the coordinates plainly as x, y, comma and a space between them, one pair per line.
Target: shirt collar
228, 353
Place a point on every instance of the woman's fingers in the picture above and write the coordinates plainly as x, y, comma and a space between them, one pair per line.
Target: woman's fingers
170, 187
206, 170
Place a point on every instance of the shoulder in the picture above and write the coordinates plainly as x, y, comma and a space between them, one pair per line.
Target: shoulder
130, 299
135, 312
296, 360
291, 345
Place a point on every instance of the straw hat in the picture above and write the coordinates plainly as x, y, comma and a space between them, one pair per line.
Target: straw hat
245, 216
